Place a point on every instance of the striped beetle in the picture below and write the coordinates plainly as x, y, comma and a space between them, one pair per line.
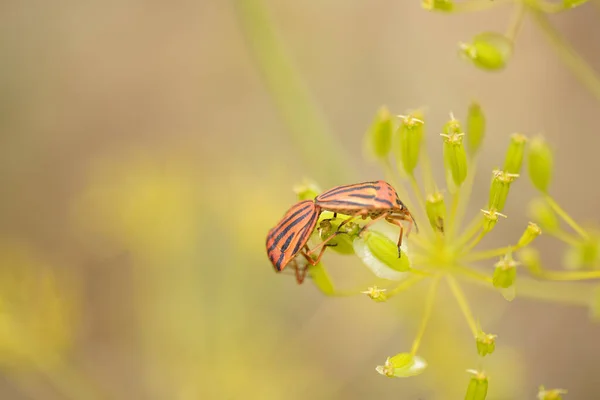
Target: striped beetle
377, 200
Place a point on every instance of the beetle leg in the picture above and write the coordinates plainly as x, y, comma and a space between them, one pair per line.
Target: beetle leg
374, 220
397, 222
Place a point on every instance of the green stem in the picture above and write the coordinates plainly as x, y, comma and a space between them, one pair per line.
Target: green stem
564, 236
516, 22
462, 303
473, 243
575, 294
568, 275
289, 92
551, 8
487, 254
466, 194
578, 66
472, 230
471, 273
429, 301
452, 220
476, 5
421, 203
563, 214
405, 285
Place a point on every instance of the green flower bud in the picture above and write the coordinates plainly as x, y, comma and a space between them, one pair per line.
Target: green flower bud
543, 214
342, 243
436, 211
307, 190
410, 137
540, 164
455, 156
486, 343
595, 304
475, 128
490, 219
505, 273
376, 294
402, 365
531, 232
583, 255
386, 251
550, 394
438, 5
530, 259
379, 135
515, 153
499, 189
490, 51
478, 386
321, 278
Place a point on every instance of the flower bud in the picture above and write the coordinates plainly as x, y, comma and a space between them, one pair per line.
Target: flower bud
379, 135
530, 259
490, 219
515, 153
307, 190
321, 278
478, 386
489, 51
402, 365
499, 189
505, 273
486, 343
455, 156
584, 254
342, 243
540, 164
386, 251
410, 138
475, 128
543, 214
550, 394
436, 211
376, 294
438, 5
531, 232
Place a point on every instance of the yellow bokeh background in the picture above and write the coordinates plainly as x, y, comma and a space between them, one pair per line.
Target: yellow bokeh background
144, 156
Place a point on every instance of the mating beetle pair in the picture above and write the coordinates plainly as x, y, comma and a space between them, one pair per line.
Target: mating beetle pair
377, 200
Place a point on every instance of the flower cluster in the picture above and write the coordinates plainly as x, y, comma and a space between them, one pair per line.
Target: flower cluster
447, 249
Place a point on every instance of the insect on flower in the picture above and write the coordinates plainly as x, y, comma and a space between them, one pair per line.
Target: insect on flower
377, 200
290, 236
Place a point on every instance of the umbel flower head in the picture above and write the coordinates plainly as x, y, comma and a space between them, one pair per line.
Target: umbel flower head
447, 248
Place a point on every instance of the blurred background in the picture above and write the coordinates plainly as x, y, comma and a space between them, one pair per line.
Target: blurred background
145, 151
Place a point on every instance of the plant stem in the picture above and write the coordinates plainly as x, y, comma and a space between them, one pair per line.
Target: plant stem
516, 21
471, 230
568, 275
576, 294
551, 8
487, 254
429, 301
565, 237
292, 99
405, 284
570, 221
578, 66
462, 303
466, 195
477, 5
